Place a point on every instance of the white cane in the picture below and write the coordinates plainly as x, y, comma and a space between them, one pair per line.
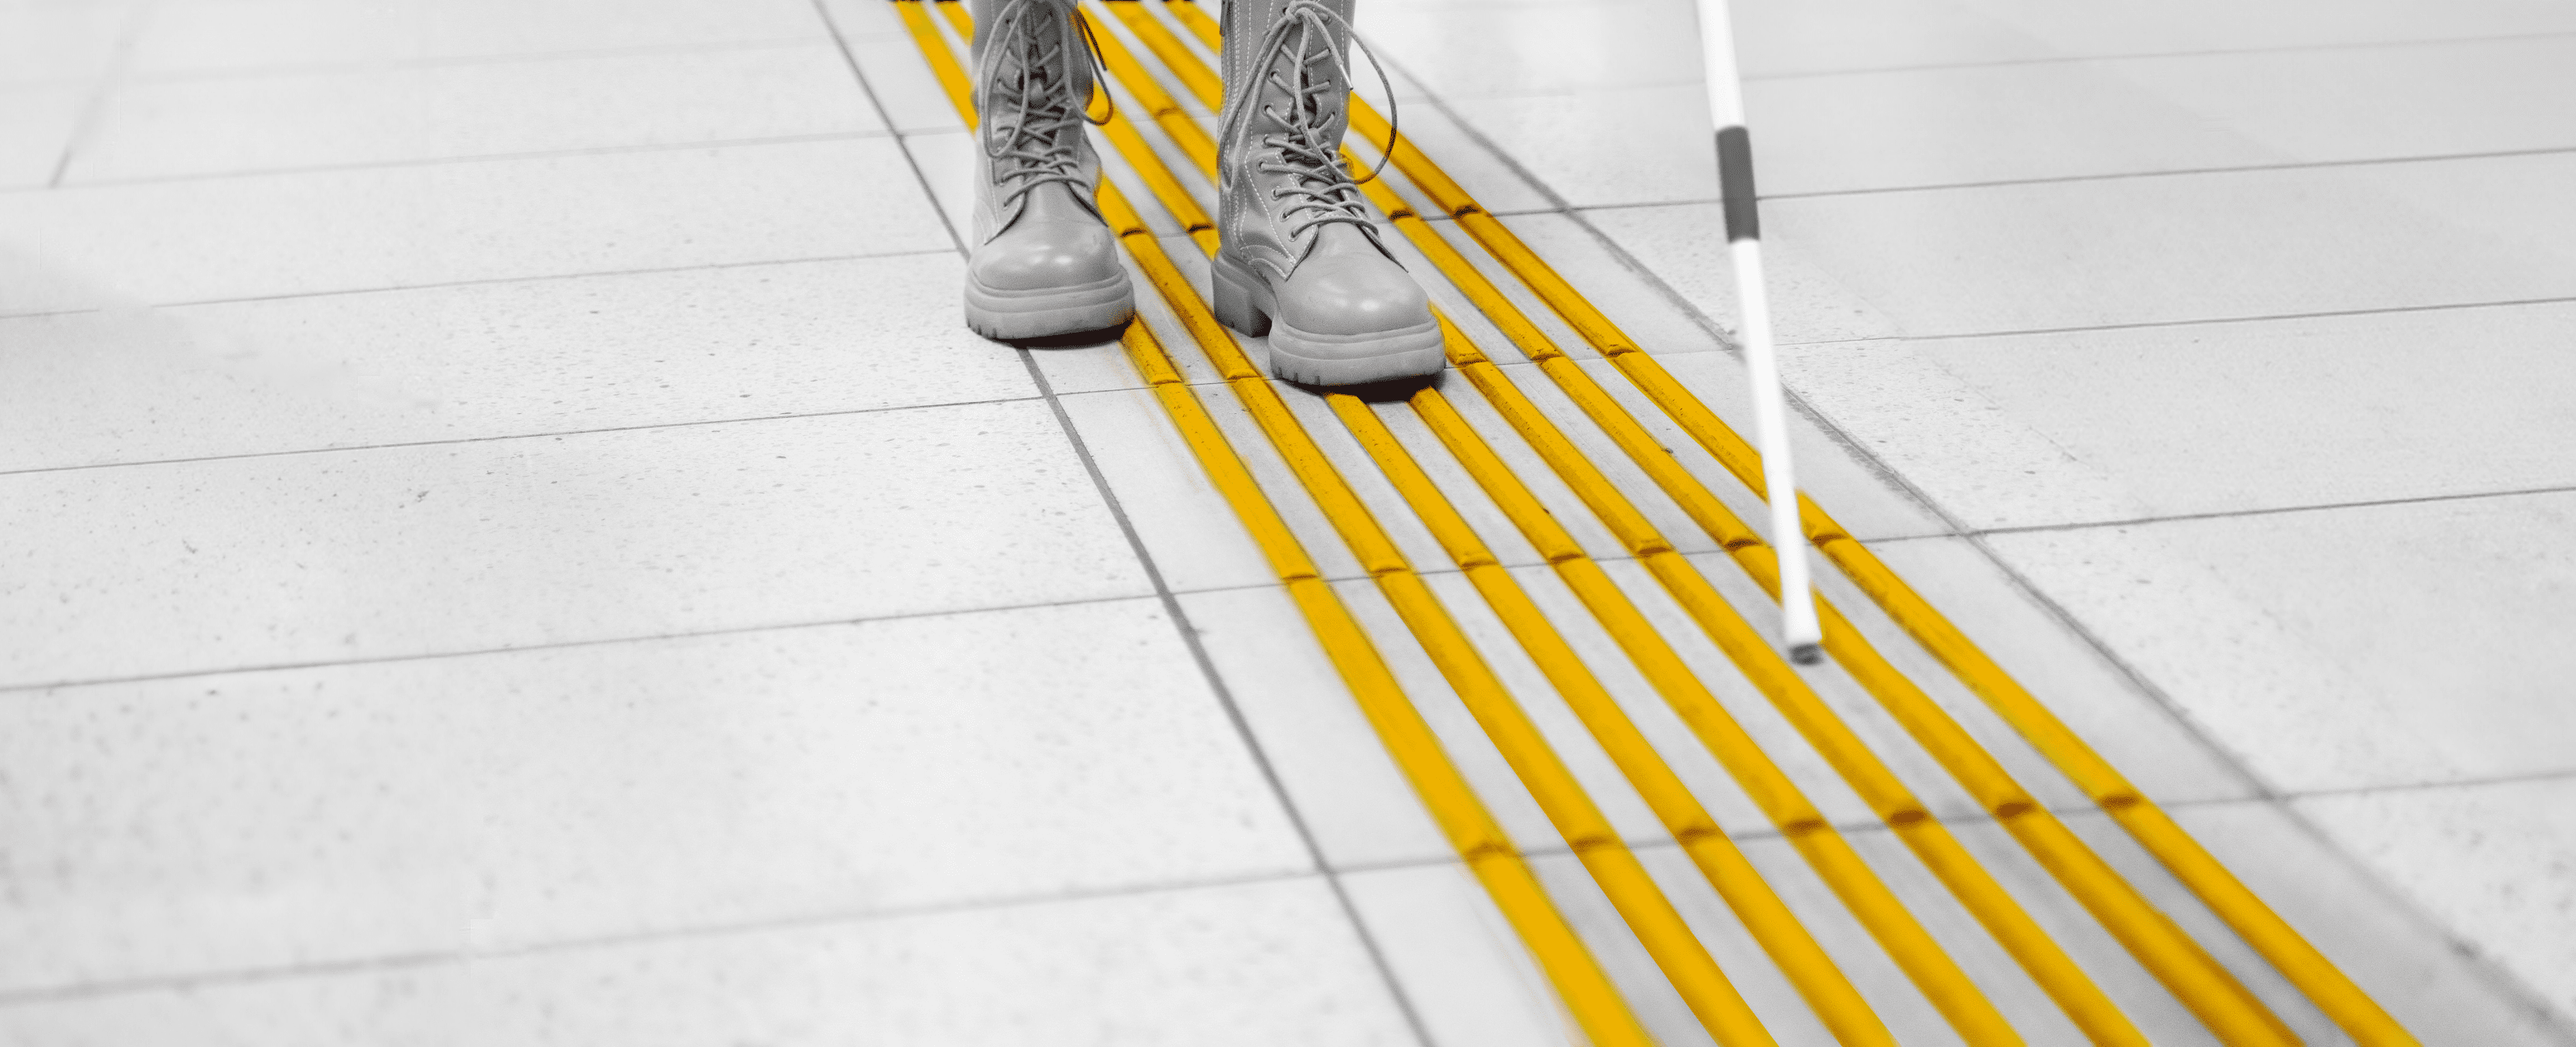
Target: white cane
1800, 633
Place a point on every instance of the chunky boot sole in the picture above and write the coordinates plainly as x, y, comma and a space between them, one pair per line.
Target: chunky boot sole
1012, 316
1245, 304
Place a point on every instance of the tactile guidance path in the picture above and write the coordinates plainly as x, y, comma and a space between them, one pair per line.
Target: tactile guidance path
1540, 478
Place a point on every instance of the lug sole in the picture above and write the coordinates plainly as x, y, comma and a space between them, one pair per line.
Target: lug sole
1011, 316
1244, 303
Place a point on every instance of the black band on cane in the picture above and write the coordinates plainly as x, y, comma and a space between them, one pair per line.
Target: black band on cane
1735, 183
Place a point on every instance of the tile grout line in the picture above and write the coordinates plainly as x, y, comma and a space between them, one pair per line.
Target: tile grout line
2213, 321
2181, 172
475, 282
501, 437
1188, 632
2370, 503
2434, 786
8, 689
38, 995
96, 106
468, 61
465, 158
2068, 59
2149, 56
2106, 176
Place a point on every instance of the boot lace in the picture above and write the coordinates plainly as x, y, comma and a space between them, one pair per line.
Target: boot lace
1031, 127
1321, 191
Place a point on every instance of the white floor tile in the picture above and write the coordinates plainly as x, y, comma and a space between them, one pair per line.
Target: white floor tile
1782, 39
1951, 440
2134, 27
2342, 648
1261, 964
379, 228
1336, 773
1635, 145
68, 43
2148, 250
1953, 126
864, 19
2362, 103
1459, 964
2146, 741
1685, 247
2489, 863
2461, 855
2264, 415
1948, 126
168, 128
2158, 250
902, 82
1192, 534
1537, 49
945, 163
1632, 42
501, 359
39, 120
396, 551
497, 802
251, 35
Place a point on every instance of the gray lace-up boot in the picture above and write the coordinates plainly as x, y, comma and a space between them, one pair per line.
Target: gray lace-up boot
1298, 258
1045, 263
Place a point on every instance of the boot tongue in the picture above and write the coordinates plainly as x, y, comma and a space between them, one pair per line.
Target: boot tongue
1343, 238
1054, 201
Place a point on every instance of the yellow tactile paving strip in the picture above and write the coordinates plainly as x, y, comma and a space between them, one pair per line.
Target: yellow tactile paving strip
2186, 969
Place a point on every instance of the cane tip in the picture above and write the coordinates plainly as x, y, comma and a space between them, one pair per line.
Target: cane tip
1807, 654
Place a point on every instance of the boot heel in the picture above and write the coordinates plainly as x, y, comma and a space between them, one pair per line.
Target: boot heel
1234, 306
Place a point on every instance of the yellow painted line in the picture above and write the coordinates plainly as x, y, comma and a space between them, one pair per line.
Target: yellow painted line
2194, 976
2333, 992
1586, 990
